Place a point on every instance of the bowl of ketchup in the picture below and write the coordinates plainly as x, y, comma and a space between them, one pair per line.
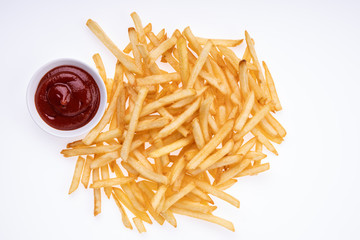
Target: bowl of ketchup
66, 98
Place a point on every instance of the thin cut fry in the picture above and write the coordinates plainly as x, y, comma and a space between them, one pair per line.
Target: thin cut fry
211, 145
171, 147
146, 173
133, 123
139, 224
97, 193
124, 216
100, 34
206, 217
77, 174
87, 171
110, 182
221, 42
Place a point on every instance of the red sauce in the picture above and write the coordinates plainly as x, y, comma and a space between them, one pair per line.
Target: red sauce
67, 98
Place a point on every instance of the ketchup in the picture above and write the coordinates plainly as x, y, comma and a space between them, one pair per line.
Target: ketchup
67, 98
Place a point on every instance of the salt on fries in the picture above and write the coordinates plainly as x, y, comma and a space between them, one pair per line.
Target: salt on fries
173, 138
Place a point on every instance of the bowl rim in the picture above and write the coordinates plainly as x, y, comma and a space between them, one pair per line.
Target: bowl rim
32, 87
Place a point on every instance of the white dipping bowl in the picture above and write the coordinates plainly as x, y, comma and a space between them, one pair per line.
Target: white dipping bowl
32, 87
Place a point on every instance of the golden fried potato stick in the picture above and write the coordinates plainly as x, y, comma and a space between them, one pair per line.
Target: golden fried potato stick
199, 64
124, 59
133, 123
110, 182
205, 216
211, 145
77, 174
97, 192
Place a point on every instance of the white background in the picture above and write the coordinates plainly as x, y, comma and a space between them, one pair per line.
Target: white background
312, 49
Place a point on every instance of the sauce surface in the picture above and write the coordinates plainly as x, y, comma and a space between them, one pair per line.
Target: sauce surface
67, 98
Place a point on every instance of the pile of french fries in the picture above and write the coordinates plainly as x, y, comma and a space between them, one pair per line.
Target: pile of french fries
174, 139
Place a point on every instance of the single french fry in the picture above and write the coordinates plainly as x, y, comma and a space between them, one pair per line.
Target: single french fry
243, 79
194, 206
232, 172
177, 196
199, 64
146, 173
154, 106
226, 184
139, 27
217, 155
166, 131
89, 150
169, 217
157, 79
110, 182
77, 174
87, 171
271, 87
121, 196
133, 36
221, 42
133, 123
216, 192
203, 117
205, 216
139, 224
253, 121
147, 29
254, 170
171, 147
100, 66
156, 199
162, 48
105, 176
93, 134
104, 159
228, 160
197, 132
183, 60
97, 192
124, 216
211, 145
124, 59
264, 140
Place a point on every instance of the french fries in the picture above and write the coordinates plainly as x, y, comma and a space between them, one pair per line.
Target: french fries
174, 139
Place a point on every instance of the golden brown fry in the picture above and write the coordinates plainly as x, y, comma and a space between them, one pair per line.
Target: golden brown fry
110, 182
183, 60
171, 147
139, 224
105, 176
97, 192
166, 131
216, 192
146, 173
133, 36
177, 196
124, 59
221, 42
147, 29
254, 170
198, 135
126, 201
104, 159
87, 171
139, 27
199, 64
211, 145
133, 123
77, 174
124, 216
217, 155
157, 79
272, 89
205, 216
89, 150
